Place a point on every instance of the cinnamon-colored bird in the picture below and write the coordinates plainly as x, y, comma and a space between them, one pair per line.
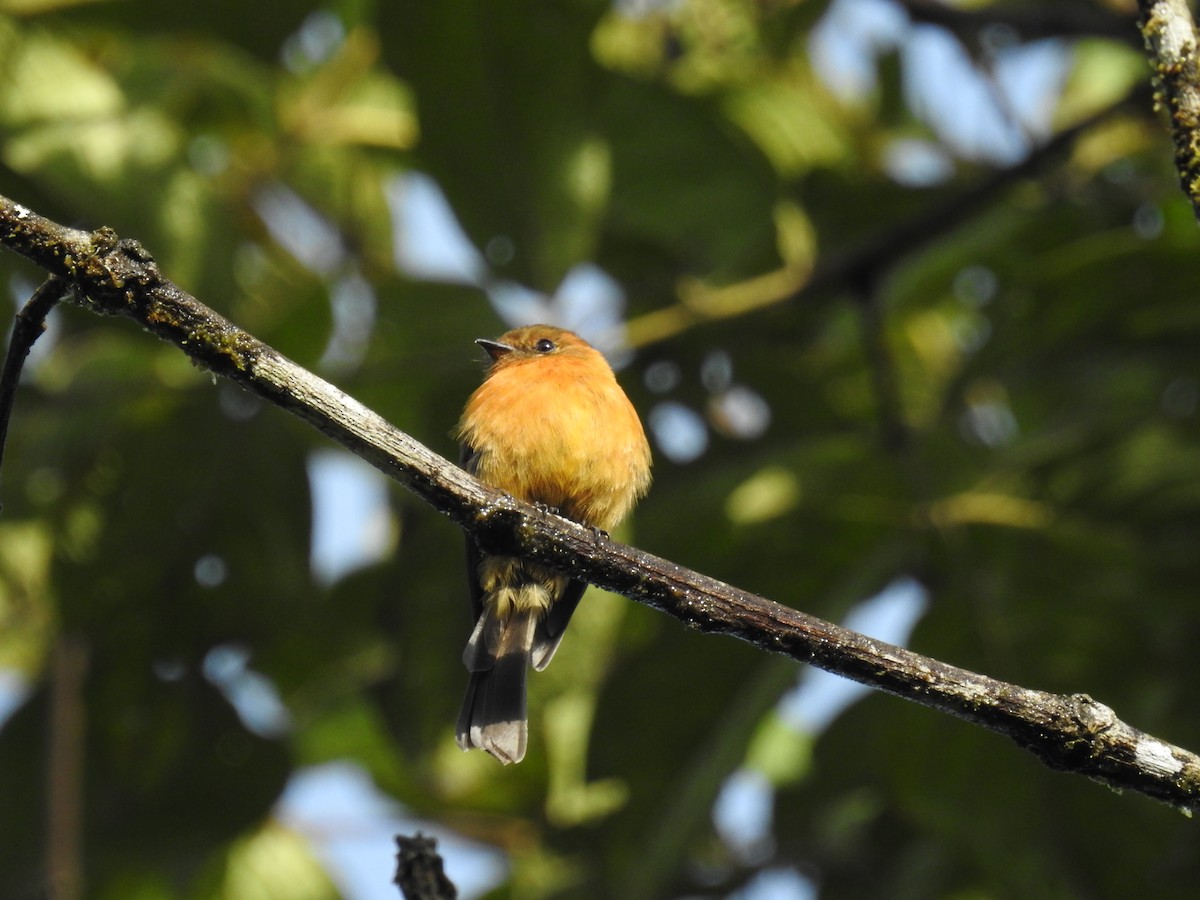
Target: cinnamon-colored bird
549, 425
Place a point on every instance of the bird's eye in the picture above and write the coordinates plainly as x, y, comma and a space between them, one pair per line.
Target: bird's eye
545, 345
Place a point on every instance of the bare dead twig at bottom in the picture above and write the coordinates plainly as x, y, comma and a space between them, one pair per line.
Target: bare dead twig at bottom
419, 872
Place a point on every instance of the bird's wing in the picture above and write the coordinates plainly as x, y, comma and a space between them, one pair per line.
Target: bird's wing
550, 627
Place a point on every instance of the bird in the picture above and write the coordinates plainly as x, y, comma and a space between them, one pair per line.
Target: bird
551, 426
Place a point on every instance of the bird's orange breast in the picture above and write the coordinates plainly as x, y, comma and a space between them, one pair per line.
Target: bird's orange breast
559, 431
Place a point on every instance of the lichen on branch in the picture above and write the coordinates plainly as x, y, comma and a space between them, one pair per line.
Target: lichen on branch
1169, 30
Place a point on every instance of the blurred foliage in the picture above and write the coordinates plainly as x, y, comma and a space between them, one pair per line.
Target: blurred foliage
986, 379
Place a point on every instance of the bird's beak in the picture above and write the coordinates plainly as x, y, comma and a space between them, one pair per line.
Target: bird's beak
495, 349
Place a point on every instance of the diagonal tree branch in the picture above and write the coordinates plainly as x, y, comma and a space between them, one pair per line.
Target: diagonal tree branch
1069, 732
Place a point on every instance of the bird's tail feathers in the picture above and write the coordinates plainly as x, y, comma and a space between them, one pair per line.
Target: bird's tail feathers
493, 716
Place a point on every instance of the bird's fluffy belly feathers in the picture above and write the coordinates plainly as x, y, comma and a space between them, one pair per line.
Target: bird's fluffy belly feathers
558, 442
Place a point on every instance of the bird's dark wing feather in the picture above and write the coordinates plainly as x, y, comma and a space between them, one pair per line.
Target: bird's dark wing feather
550, 627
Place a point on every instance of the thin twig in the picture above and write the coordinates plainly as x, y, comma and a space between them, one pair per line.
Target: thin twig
1069, 732
29, 325
1059, 19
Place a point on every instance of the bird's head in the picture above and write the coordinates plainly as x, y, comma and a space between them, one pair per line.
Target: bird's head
535, 342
